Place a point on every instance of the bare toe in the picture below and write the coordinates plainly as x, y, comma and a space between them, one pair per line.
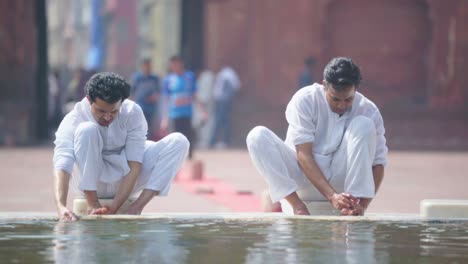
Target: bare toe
301, 210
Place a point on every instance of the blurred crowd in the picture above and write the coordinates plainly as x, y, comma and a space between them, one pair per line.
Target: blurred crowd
197, 105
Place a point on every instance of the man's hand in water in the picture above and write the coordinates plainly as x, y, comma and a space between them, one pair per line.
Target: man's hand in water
356, 210
66, 215
359, 208
343, 201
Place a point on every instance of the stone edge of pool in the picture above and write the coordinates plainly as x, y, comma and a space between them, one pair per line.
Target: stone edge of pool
231, 216
430, 210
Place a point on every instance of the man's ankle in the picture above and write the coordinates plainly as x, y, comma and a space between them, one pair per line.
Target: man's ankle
300, 209
94, 205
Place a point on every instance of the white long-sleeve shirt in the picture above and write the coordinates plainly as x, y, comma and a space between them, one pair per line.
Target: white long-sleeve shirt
227, 74
124, 139
312, 121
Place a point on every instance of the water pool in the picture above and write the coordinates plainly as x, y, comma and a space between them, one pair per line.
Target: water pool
215, 239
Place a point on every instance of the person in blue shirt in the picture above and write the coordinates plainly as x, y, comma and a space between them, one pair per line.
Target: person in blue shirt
146, 90
180, 90
306, 78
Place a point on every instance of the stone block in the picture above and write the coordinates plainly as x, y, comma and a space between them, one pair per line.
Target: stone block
444, 208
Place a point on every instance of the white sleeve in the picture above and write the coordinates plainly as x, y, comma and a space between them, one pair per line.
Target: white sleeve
64, 154
302, 120
381, 147
136, 135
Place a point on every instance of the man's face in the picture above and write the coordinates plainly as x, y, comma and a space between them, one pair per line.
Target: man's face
340, 101
177, 66
103, 112
146, 67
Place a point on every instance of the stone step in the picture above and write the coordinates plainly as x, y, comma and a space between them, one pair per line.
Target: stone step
431, 208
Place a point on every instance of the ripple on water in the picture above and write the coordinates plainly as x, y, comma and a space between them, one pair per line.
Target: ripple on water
207, 240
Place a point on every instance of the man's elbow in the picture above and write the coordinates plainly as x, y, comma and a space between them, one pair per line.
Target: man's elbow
137, 171
378, 169
62, 174
304, 159
135, 167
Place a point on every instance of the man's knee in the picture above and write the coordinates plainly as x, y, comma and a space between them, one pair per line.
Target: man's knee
179, 141
87, 130
362, 126
258, 136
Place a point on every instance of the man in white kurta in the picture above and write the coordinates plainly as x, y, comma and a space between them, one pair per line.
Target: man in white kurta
334, 150
102, 142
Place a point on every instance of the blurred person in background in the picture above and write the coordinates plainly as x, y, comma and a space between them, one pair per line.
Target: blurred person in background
180, 91
75, 89
205, 95
226, 85
146, 91
54, 105
306, 77
105, 137
335, 148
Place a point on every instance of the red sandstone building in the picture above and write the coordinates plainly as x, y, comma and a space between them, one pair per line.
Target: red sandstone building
411, 51
413, 55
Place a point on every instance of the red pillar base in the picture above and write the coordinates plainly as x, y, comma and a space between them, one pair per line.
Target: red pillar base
192, 170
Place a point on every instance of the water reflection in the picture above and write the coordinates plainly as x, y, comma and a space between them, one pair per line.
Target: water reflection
423, 242
188, 240
117, 242
25, 242
296, 241
220, 241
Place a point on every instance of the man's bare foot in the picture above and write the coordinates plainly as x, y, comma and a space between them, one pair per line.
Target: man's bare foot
301, 209
133, 210
99, 211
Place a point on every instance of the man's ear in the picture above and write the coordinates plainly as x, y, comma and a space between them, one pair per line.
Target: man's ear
324, 83
89, 99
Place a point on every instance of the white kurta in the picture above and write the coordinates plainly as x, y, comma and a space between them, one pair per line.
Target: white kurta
102, 153
345, 148
310, 119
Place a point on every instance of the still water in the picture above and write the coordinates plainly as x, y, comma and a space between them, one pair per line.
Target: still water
206, 240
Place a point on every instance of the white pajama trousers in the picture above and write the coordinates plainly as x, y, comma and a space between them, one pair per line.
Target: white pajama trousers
161, 162
349, 169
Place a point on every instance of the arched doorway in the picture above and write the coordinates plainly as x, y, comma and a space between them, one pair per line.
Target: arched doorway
192, 34
389, 39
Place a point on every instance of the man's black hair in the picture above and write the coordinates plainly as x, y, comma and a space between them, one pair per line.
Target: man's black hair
309, 61
107, 86
146, 60
342, 73
176, 58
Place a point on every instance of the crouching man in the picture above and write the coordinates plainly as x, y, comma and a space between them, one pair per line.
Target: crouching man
104, 138
335, 148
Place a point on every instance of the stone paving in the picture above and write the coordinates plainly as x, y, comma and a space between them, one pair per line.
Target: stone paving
26, 182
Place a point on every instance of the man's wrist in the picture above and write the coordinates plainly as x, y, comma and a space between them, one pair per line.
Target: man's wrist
330, 196
61, 207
